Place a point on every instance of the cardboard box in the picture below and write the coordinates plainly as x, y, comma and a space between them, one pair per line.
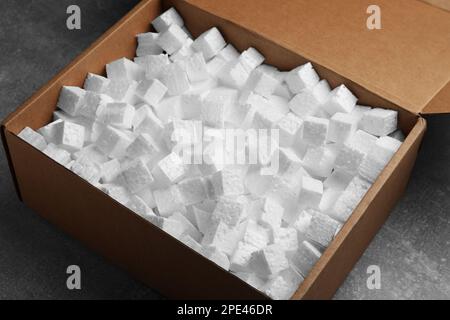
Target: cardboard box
405, 67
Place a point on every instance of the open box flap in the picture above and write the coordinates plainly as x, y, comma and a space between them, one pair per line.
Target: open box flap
406, 62
443, 4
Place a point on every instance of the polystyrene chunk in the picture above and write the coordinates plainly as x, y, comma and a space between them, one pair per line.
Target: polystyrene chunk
322, 229
196, 68
354, 151
216, 256
69, 135
341, 100
124, 69
175, 78
358, 112
59, 155
184, 52
113, 142
138, 206
319, 161
209, 43
71, 100
303, 77
191, 243
143, 145
338, 180
229, 181
251, 58
311, 193
315, 130
256, 235
110, 170
190, 229
284, 285
233, 74
118, 114
96, 83
192, 191
223, 237
309, 101
215, 105
117, 192
290, 129
92, 153
146, 195
342, 126
302, 222
33, 138
379, 122
239, 261
229, 211
261, 83
328, 200
304, 259
286, 238
168, 201
286, 195
149, 124
168, 18
191, 106
153, 65
169, 170
94, 104
137, 175
378, 158
349, 199
172, 39
269, 261
228, 53
123, 90
151, 91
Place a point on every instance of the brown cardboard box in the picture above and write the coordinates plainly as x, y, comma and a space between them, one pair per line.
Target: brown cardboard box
405, 66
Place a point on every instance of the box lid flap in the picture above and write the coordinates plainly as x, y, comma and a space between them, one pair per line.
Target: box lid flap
406, 62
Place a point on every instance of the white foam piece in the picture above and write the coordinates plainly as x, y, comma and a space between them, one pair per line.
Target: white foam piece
175, 78
239, 261
342, 126
311, 193
150, 124
210, 43
191, 243
261, 83
286, 238
140, 207
118, 114
172, 39
168, 201
216, 256
233, 74
303, 77
328, 200
151, 91
168, 18
228, 53
322, 229
338, 180
137, 175
269, 261
378, 158
309, 101
379, 122
117, 192
113, 142
190, 229
349, 199
305, 258
92, 153
251, 59
215, 65
223, 237
354, 151
169, 108
315, 130
258, 183
229, 211
215, 105
399, 135
271, 214
285, 193
147, 44
319, 161
153, 64
358, 112
94, 103
123, 90
110, 171
192, 191
124, 69
34, 138
229, 181
184, 52
284, 285
256, 235
59, 155
143, 145
196, 68
202, 218
341, 100
69, 135
146, 195
71, 100
96, 83
169, 170
190, 106
302, 222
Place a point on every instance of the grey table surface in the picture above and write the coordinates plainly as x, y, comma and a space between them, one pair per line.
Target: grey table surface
412, 249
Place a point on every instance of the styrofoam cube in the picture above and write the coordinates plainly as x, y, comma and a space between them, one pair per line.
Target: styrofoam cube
301, 78
196, 68
96, 83
272, 214
233, 74
280, 104
378, 158
151, 91
286, 238
150, 124
94, 104
137, 175
69, 135
251, 59
143, 145
229, 211
284, 285
379, 122
215, 65
354, 150
229, 181
192, 191
191, 106
215, 105
239, 261
191, 243
172, 39
341, 99
71, 100
153, 65
138, 205
146, 195
92, 153
123, 90
256, 235
59, 155
209, 43
87, 169
223, 237
258, 183
175, 78
124, 69
349, 199
287, 159
309, 101
342, 126
190, 229
168, 201
216, 256
169, 170
269, 261
228, 53
322, 229
398, 134
290, 128
261, 83
311, 193
358, 112
34, 138
315, 130
118, 114
110, 170
302, 222
338, 180
117, 192
184, 52
113, 142
168, 18
329, 199
305, 258
319, 161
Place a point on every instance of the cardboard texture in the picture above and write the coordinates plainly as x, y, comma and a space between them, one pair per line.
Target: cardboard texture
443, 4
163, 262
